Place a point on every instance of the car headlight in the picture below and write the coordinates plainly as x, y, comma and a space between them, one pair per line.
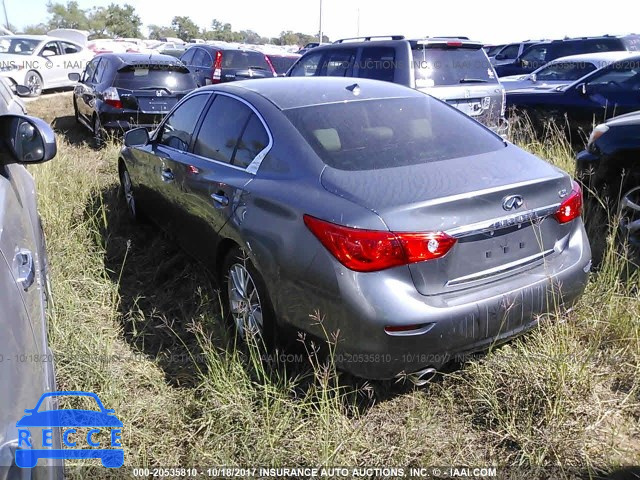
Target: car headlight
597, 133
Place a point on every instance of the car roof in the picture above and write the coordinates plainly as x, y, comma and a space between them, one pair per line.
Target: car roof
215, 48
596, 57
296, 92
141, 58
32, 37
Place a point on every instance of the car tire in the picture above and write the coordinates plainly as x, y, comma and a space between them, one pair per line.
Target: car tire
246, 302
33, 80
98, 132
76, 115
629, 215
128, 196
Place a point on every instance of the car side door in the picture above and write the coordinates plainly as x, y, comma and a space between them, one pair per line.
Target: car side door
51, 68
230, 143
84, 91
153, 166
73, 59
23, 339
202, 67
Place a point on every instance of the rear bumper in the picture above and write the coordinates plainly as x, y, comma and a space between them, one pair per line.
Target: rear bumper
121, 122
452, 324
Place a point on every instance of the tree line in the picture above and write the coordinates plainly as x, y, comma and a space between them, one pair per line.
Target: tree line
122, 21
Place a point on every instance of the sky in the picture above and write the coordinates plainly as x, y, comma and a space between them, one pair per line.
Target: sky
486, 21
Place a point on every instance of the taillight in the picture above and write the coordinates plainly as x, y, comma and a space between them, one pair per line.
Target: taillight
503, 108
373, 250
217, 68
571, 207
273, 70
112, 98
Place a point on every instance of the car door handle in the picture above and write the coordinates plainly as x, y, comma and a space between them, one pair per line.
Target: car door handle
167, 175
220, 199
24, 269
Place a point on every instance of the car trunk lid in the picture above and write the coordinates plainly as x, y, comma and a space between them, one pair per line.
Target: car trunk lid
494, 238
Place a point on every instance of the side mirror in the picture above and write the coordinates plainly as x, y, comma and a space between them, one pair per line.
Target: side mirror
138, 137
47, 53
26, 140
534, 77
582, 88
74, 77
23, 91
500, 56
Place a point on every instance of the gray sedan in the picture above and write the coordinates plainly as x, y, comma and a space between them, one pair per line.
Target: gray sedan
563, 71
26, 363
413, 231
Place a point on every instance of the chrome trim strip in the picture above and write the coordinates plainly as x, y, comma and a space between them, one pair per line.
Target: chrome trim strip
497, 224
500, 269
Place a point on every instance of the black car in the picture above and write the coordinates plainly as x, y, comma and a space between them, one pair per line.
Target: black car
119, 91
610, 168
281, 63
610, 91
211, 64
540, 54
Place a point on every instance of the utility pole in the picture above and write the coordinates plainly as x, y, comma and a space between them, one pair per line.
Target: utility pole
319, 36
6, 19
358, 23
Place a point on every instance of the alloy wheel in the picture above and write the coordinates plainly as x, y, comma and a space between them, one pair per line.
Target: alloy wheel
244, 302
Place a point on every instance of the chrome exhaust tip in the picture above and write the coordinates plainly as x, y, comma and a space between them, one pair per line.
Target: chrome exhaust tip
421, 377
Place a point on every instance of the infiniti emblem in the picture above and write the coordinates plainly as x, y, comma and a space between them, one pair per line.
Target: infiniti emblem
512, 202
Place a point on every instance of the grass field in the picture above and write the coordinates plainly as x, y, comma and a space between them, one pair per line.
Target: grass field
138, 322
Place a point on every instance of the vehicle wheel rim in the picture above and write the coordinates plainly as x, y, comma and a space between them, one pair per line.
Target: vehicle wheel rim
128, 193
244, 302
34, 84
630, 215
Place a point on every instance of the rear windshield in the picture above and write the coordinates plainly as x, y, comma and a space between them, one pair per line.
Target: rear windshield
282, 64
175, 78
242, 59
436, 67
393, 132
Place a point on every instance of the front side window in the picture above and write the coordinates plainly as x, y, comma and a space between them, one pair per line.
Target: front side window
50, 49
89, 71
510, 52
624, 75
338, 63
179, 127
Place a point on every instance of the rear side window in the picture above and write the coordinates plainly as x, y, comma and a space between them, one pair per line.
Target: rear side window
187, 57
451, 66
536, 55
175, 78
337, 63
253, 140
388, 133
179, 127
68, 48
239, 59
377, 63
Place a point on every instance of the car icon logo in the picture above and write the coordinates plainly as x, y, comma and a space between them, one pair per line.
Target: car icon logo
512, 202
67, 422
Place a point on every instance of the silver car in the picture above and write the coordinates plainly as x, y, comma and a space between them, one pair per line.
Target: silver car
563, 71
455, 70
413, 231
26, 362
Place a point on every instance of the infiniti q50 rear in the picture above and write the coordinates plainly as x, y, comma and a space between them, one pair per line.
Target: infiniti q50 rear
412, 231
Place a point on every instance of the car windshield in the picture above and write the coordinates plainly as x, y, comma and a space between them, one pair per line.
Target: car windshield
451, 66
387, 133
564, 71
18, 46
174, 78
242, 59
